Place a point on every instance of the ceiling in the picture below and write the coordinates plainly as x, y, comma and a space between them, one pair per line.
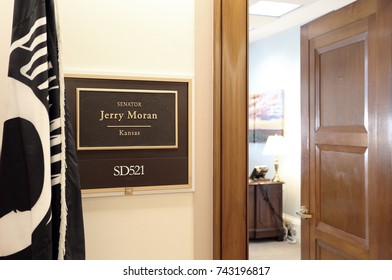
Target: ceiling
262, 26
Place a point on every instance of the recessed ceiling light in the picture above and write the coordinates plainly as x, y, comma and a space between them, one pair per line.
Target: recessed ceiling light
272, 9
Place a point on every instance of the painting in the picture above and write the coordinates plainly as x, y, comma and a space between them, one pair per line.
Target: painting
266, 115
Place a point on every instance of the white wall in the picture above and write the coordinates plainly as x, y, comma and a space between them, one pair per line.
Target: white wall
274, 63
150, 38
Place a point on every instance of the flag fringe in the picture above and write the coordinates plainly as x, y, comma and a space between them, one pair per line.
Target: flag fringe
64, 209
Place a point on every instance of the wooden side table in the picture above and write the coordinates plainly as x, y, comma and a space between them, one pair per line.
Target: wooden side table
265, 209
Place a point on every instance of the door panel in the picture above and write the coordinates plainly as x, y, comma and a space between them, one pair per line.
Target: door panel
338, 153
337, 198
338, 182
341, 79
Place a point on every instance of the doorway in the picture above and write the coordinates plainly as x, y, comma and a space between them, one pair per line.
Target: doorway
274, 65
230, 238
274, 74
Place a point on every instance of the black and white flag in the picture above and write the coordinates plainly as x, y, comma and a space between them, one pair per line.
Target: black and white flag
40, 200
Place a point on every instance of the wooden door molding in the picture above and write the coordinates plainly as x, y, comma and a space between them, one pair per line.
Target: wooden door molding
230, 129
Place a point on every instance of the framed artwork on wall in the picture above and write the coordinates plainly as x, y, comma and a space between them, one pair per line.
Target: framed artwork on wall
266, 115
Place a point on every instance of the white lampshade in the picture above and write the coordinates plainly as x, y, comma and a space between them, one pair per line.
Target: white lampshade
275, 145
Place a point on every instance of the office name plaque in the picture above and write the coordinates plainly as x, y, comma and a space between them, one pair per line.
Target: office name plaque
132, 134
109, 119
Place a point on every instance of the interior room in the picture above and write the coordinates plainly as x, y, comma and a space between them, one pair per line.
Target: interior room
275, 65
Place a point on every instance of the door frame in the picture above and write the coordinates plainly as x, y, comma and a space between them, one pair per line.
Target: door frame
230, 229
230, 144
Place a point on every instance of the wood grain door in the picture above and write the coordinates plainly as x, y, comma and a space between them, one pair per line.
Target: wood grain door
346, 119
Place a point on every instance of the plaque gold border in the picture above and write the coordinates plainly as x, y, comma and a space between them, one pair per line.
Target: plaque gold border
141, 190
87, 148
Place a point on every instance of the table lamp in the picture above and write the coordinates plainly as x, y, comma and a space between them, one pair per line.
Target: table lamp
275, 146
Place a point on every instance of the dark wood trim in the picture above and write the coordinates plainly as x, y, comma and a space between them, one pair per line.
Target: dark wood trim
230, 129
305, 199
381, 193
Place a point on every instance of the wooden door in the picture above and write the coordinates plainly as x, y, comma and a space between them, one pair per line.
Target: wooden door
346, 124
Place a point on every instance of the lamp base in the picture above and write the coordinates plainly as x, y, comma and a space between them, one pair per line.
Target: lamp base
276, 165
276, 178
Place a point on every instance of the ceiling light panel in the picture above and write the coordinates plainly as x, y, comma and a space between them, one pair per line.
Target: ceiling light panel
272, 9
